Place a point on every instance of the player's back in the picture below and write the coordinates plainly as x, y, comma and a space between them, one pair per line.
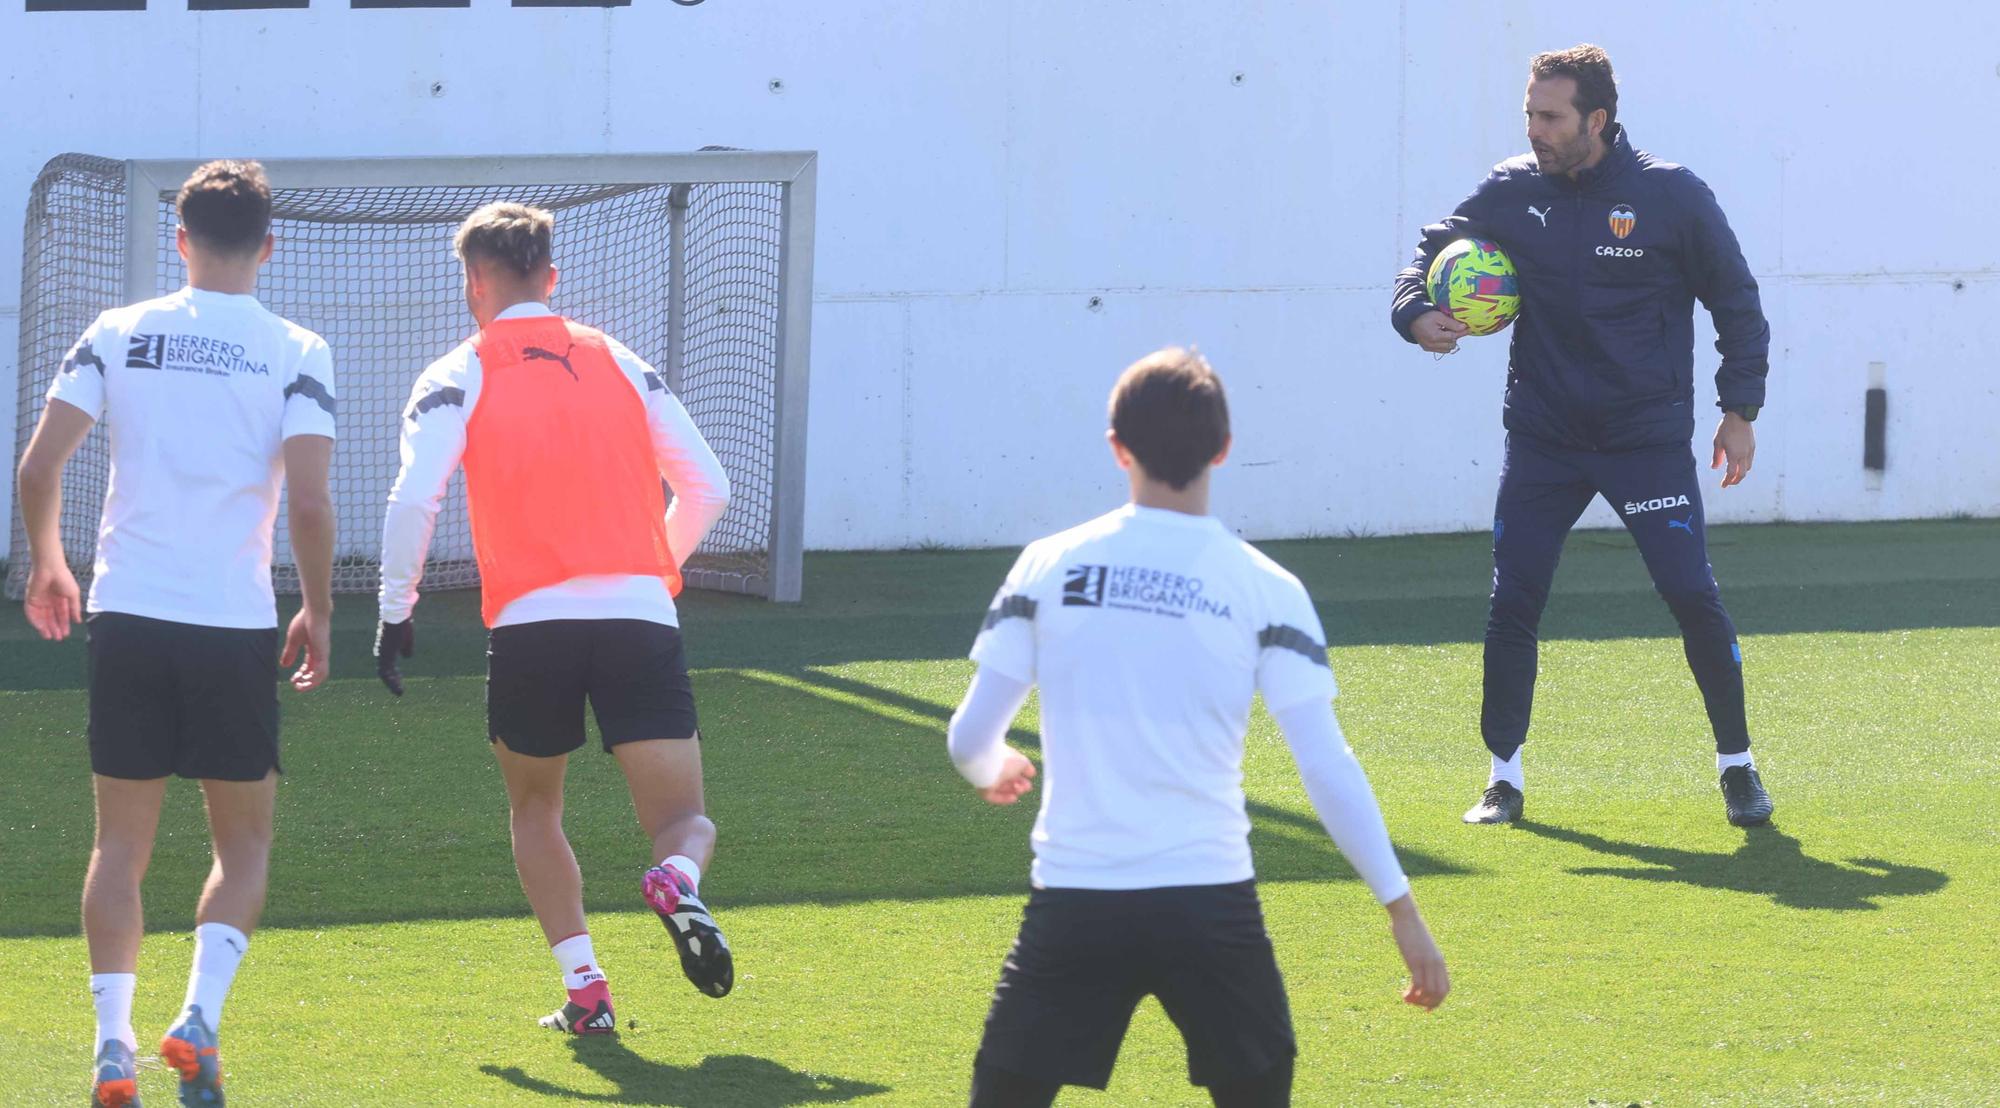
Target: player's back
198, 391
565, 435
1149, 633
561, 471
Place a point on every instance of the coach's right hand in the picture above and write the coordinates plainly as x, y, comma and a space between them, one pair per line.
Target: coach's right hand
1428, 980
1437, 332
394, 640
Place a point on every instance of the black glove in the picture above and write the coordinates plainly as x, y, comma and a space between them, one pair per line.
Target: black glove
392, 640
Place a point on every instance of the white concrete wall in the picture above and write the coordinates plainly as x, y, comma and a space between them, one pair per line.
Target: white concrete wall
1246, 175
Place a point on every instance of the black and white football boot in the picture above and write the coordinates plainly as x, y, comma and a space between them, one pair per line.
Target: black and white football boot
704, 952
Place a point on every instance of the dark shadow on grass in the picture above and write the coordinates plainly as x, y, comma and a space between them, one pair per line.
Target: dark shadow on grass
734, 1080
829, 791
1769, 863
1278, 855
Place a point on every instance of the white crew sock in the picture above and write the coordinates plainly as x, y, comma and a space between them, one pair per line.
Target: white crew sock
218, 950
1508, 771
112, 994
686, 865
1724, 761
577, 961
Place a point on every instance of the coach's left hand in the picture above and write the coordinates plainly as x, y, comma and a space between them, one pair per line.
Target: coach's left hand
1736, 444
394, 640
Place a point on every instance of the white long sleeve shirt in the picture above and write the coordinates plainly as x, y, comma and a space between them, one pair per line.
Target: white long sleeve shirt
1149, 633
433, 444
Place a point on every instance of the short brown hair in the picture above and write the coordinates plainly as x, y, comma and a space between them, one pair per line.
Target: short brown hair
1169, 411
515, 235
226, 206
1590, 67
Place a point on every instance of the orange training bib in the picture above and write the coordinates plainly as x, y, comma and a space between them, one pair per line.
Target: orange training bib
559, 465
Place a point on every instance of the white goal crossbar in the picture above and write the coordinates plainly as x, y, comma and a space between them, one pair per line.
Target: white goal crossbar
701, 262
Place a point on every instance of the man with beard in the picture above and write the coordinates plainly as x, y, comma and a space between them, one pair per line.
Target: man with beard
1612, 248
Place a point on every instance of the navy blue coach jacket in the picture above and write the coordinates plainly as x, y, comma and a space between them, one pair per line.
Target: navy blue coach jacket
1610, 266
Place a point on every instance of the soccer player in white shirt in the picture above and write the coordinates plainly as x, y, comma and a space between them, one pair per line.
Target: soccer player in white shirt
565, 436
215, 404
1149, 630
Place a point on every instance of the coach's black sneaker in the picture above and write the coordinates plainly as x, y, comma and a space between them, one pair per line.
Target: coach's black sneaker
1501, 803
1743, 794
705, 954
586, 1012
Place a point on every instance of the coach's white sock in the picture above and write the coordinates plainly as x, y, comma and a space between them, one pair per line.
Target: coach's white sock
112, 994
1508, 770
577, 961
1724, 761
686, 865
218, 950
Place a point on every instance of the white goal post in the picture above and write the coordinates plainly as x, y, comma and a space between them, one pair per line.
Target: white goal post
700, 262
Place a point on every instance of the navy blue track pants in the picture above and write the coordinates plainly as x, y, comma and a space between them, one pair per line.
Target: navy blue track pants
1544, 488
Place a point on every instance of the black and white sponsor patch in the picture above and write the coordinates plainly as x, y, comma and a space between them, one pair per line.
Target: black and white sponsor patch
174, 352
1083, 587
1140, 589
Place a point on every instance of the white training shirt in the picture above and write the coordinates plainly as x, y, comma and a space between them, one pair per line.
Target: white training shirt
1150, 632
198, 391
434, 425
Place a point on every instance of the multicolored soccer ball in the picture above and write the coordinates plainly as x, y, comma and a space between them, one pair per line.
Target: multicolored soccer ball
1472, 281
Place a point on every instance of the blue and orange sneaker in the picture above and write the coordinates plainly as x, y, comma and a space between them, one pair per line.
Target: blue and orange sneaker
704, 952
117, 1077
189, 1047
586, 1012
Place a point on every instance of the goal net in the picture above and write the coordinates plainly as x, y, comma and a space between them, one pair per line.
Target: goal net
701, 263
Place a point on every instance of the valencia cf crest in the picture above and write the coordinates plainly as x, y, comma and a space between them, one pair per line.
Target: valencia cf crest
1623, 219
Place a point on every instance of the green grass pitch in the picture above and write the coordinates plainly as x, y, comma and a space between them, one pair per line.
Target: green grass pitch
1624, 946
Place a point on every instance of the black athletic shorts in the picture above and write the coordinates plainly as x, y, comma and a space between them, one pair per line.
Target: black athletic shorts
538, 675
180, 698
1086, 957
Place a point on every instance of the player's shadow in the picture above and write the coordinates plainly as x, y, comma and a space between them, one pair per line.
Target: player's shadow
1769, 863
739, 1080
832, 791
1290, 846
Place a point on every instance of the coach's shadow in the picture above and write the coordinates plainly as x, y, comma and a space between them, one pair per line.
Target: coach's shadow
1769, 863
734, 1079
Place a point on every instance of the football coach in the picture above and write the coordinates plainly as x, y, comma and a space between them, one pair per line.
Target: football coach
1612, 247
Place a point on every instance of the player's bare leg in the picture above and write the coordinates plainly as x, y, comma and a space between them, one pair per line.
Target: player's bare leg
549, 874
664, 776
232, 901
128, 814
239, 825
554, 886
